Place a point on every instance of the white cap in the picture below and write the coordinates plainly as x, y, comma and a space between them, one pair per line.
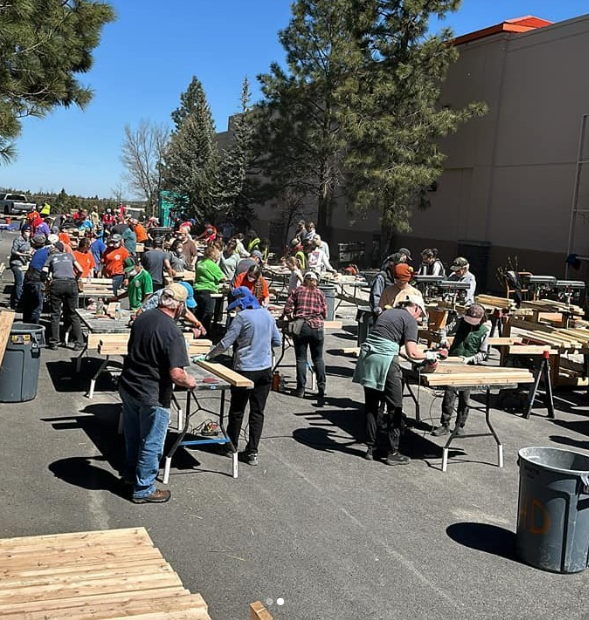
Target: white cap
416, 300
53, 238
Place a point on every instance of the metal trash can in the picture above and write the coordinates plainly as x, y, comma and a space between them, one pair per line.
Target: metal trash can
553, 509
19, 373
365, 320
329, 292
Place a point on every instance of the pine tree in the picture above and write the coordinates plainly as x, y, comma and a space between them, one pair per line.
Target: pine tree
43, 46
191, 161
237, 189
300, 145
390, 106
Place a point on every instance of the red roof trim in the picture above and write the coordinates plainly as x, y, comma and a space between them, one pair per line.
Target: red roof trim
517, 25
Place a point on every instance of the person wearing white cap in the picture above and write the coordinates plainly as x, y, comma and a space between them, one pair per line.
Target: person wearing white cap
307, 306
156, 359
461, 273
378, 371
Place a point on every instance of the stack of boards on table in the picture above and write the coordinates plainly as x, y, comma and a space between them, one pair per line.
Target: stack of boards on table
116, 344
455, 373
105, 575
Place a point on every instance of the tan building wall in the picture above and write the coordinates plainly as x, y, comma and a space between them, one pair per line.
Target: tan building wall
508, 185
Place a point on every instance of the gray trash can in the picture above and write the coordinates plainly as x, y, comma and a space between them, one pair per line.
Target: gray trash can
365, 320
19, 374
329, 292
553, 509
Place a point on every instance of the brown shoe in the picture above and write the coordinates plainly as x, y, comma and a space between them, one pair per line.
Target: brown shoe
159, 496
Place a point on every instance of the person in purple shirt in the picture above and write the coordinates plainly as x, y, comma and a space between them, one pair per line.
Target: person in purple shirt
43, 229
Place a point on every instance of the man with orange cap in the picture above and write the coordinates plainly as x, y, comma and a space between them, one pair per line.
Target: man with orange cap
397, 292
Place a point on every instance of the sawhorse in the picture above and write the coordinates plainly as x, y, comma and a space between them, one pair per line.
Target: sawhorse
541, 373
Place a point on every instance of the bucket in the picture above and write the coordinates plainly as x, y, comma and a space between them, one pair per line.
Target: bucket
329, 292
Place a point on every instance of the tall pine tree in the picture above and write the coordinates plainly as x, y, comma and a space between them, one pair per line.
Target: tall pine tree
191, 161
300, 143
236, 186
390, 106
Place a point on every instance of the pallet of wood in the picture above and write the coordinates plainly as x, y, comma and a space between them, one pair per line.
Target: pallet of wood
110, 574
492, 302
549, 305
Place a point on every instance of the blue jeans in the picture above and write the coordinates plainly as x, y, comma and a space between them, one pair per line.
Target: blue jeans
19, 277
145, 433
117, 283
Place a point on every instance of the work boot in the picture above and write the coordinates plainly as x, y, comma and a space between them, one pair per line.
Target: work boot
369, 456
299, 392
440, 430
159, 496
459, 430
251, 458
396, 458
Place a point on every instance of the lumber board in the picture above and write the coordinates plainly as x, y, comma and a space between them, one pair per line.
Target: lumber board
531, 349
232, 377
6, 320
501, 341
434, 380
332, 324
259, 612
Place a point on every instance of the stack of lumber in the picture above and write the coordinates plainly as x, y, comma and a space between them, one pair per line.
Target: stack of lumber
116, 344
109, 575
96, 287
455, 373
548, 305
562, 339
491, 302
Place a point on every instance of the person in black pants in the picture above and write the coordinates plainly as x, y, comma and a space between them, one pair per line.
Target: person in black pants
255, 333
32, 299
307, 306
64, 270
378, 371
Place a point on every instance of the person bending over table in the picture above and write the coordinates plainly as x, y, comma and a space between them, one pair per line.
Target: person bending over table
255, 282
254, 331
471, 345
140, 285
307, 305
378, 371
156, 359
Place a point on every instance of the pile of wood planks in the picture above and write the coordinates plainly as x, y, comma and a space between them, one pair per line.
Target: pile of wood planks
455, 373
495, 303
116, 344
549, 305
563, 339
110, 574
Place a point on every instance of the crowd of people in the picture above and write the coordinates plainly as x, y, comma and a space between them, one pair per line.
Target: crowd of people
157, 358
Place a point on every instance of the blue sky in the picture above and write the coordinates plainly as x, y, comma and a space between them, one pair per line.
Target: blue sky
147, 58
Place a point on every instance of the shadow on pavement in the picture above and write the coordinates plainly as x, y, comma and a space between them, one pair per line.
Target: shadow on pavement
65, 378
484, 537
80, 471
569, 441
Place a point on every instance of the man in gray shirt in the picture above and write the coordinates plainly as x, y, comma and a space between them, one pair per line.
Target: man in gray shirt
155, 261
460, 273
64, 270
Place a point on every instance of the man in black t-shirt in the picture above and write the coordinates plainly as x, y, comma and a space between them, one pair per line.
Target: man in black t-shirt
156, 359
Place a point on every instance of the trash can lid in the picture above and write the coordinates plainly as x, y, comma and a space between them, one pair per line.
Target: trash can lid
557, 459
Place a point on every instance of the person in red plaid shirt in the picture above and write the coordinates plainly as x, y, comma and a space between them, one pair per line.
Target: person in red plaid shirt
307, 302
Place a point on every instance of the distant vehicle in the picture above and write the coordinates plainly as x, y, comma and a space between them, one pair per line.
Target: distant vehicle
12, 204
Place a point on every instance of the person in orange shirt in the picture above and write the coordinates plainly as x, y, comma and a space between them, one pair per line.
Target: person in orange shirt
85, 258
113, 260
140, 231
253, 280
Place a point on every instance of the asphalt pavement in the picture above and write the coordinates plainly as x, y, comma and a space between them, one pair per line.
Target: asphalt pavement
336, 537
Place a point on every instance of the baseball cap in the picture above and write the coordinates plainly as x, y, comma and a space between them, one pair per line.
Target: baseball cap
53, 238
39, 241
243, 298
312, 275
405, 251
459, 263
116, 238
190, 303
257, 254
59, 246
129, 265
416, 300
403, 272
176, 291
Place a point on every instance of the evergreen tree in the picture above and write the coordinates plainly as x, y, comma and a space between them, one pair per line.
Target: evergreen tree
43, 46
390, 106
191, 161
300, 146
237, 187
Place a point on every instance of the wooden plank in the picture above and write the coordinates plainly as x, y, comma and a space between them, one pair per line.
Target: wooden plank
333, 324
500, 341
6, 320
466, 380
259, 612
531, 349
232, 377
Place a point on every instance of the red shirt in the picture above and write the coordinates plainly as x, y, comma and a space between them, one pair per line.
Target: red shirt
113, 259
86, 261
242, 280
307, 303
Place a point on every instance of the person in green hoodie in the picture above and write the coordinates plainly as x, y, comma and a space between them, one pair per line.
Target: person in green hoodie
207, 277
471, 345
378, 371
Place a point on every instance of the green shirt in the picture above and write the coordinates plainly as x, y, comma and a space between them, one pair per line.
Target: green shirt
207, 276
139, 286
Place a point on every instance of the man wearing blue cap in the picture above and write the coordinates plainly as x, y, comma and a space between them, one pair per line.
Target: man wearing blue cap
255, 332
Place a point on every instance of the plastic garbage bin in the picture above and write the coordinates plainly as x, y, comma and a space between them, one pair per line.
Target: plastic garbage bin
329, 292
365, 320
19, 373
553, 509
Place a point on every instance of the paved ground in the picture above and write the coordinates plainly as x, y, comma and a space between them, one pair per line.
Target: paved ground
337, 537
